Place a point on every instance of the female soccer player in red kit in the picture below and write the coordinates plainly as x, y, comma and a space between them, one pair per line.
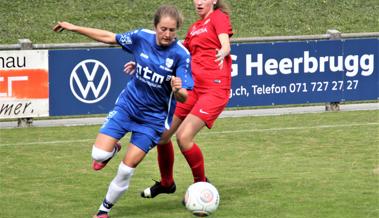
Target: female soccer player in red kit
208, 41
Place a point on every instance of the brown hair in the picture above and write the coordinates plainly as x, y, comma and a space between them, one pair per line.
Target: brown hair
170, 11
223, 6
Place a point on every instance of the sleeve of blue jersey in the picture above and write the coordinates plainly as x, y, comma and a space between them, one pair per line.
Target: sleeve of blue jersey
184, 71
128, 39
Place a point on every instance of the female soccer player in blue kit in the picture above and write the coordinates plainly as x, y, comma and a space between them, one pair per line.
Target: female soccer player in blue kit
146, 105
208, 40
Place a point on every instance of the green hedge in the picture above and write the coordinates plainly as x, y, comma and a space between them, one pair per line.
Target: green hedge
34, 19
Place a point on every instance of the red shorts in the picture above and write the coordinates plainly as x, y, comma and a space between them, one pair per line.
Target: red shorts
207, 104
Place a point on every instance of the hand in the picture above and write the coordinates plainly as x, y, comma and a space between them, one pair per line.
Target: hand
60, 26
176, 84
220, 55
129, 68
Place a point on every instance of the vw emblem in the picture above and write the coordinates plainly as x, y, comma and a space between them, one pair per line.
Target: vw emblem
90, 81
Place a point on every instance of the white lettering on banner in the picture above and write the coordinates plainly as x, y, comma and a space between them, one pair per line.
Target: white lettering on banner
295, 88
352, 65
234, 66
273, 89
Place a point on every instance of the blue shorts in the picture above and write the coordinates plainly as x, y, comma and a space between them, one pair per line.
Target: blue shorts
119, 123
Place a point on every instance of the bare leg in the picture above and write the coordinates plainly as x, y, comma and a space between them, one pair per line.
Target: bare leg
185, 137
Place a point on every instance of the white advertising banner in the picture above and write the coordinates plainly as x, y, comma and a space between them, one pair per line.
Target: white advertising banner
24, 84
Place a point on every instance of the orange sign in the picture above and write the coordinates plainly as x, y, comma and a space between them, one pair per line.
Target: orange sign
24, 83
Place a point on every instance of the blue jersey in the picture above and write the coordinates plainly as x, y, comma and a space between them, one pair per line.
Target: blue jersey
147, 97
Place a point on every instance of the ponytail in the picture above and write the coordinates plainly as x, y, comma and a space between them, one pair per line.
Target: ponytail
223, 6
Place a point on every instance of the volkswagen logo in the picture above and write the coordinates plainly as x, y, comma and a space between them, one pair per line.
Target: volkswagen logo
90, 81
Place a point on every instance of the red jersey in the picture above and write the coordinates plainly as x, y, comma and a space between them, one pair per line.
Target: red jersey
202, 42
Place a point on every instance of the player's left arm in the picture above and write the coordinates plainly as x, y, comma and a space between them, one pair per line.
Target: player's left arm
224, 50
130, 67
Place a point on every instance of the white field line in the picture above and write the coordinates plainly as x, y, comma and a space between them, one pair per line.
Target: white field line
211, 132
48, 142
290, 128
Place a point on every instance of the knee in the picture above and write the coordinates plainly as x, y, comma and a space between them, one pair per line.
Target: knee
124, 171
184, 141
100, 154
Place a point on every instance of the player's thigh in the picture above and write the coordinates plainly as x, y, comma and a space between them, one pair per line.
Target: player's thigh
105, 142
134, 155
140, 144
190, 126
112, 130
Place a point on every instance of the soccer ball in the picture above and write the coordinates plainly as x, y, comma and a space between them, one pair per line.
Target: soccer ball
201, 199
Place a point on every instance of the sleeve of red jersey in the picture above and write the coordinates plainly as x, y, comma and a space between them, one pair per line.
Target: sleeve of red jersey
222, 24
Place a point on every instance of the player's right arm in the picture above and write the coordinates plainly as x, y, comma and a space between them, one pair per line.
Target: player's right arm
93, 33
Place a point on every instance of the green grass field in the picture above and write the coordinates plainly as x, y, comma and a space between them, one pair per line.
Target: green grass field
34, 19
290, 166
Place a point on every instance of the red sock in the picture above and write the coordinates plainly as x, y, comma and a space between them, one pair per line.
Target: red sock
166, 163
195, 160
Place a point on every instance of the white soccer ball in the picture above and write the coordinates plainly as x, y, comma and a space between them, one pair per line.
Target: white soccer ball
202, 199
